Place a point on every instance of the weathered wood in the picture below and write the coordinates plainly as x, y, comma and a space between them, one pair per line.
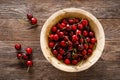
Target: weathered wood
105, 68
43, 9
14, 28
18, 29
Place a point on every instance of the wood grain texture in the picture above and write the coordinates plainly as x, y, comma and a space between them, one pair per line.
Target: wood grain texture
14, 28
18, 29
107, 66
43, 9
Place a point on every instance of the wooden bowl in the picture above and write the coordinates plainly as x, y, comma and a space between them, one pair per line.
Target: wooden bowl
96, 27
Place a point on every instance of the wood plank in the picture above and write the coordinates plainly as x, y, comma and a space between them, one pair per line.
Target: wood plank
43, 9
18, 29
8, 52
107, 67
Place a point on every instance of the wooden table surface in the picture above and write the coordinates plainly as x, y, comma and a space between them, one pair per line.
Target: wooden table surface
14, 28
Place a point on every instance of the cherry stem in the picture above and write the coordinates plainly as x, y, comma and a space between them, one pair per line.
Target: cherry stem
86, 41
28, 68
81, 20
55, 45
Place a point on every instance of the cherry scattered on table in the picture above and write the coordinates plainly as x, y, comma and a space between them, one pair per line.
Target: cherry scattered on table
24, 58
72, 40
32, 19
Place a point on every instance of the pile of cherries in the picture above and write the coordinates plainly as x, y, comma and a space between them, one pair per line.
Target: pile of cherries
24, 58
72, 40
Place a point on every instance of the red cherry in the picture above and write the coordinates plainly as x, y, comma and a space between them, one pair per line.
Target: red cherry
84, 22
85, 33
81, 40
91, 46
62, 26
68, 27
76, 20
51, 36
80, 47
74, 62
63, 43
18, 46
90, 51
29, 63
80, 26
29, 51
84, 52
91, 34
67, 61
64, 21
74, 38
61, 51
25, 57
73, 27
59, 57
86, 46
19, 55
51, 44
58, 31
71, 21
87, 39
29, 16
78, 32
54, 29
93, 40
55, 52
56, 37
61, 34
33, 20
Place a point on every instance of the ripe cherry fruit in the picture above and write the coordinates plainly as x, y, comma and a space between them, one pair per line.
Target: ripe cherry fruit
33, 20
19, 55
54, 29
29, 63
85, 33
93, 40
80, 26
59, 57
29, 51
55, 52
74, 62
73, 27
74, 38
25, 57
51, 44
84, 22
63, 43
67, 61
18, 46
56, 37
29, 16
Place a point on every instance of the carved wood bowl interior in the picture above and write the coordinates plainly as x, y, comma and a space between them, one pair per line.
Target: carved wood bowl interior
96, 27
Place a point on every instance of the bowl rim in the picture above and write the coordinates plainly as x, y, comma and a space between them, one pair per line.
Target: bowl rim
52, 60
